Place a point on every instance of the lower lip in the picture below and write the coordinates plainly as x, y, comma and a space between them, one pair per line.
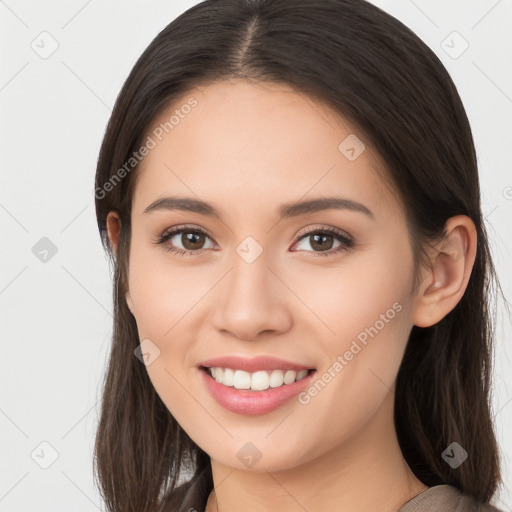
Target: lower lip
252, 403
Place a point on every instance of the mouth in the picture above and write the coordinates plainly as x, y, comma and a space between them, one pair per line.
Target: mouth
254, 393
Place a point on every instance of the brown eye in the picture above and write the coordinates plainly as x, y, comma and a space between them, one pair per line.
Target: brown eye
322, 241
192, 240
184, 241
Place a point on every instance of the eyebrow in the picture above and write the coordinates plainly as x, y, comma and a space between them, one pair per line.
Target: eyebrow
287, 210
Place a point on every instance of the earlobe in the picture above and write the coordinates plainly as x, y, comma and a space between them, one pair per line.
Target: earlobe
446, 281
129, 302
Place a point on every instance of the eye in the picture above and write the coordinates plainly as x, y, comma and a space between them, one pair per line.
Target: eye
191, 240
323, 239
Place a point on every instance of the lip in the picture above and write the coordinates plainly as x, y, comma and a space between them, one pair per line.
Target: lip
253, 364
251, 403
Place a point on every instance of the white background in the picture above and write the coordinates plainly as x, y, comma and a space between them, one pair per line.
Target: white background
56, 319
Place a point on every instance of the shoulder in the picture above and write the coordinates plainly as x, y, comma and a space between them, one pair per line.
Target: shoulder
445, 498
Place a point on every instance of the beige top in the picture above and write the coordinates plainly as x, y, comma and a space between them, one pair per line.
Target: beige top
445, 498
439, 498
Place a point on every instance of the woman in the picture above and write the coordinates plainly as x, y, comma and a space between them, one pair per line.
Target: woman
289, 194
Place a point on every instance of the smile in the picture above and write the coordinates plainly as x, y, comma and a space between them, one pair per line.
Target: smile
249, 399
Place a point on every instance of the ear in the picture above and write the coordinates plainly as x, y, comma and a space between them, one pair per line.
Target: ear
113, 229
446, 281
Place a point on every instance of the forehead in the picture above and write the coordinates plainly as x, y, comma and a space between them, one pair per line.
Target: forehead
237, 144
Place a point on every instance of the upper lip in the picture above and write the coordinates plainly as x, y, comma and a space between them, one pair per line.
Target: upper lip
253, 364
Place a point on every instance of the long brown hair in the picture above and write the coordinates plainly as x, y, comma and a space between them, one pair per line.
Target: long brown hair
374, 71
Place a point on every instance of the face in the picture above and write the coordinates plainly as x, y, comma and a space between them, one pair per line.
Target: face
327, 289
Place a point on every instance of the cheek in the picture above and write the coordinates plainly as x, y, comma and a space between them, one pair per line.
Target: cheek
162, 297
365, 314
366, 288
162, 291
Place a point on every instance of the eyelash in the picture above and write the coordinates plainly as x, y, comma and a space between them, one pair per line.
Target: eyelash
346, 241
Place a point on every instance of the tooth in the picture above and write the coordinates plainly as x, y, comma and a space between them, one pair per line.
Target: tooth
259, 381
289, 376
219, 374
301, 374
276, 379
242, 380
228, 377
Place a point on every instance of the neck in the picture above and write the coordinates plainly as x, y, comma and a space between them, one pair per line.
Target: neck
365, 472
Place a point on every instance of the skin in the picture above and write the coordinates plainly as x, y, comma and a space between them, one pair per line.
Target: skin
247, 149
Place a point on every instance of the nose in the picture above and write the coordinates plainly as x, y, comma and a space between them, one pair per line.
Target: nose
252, 301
